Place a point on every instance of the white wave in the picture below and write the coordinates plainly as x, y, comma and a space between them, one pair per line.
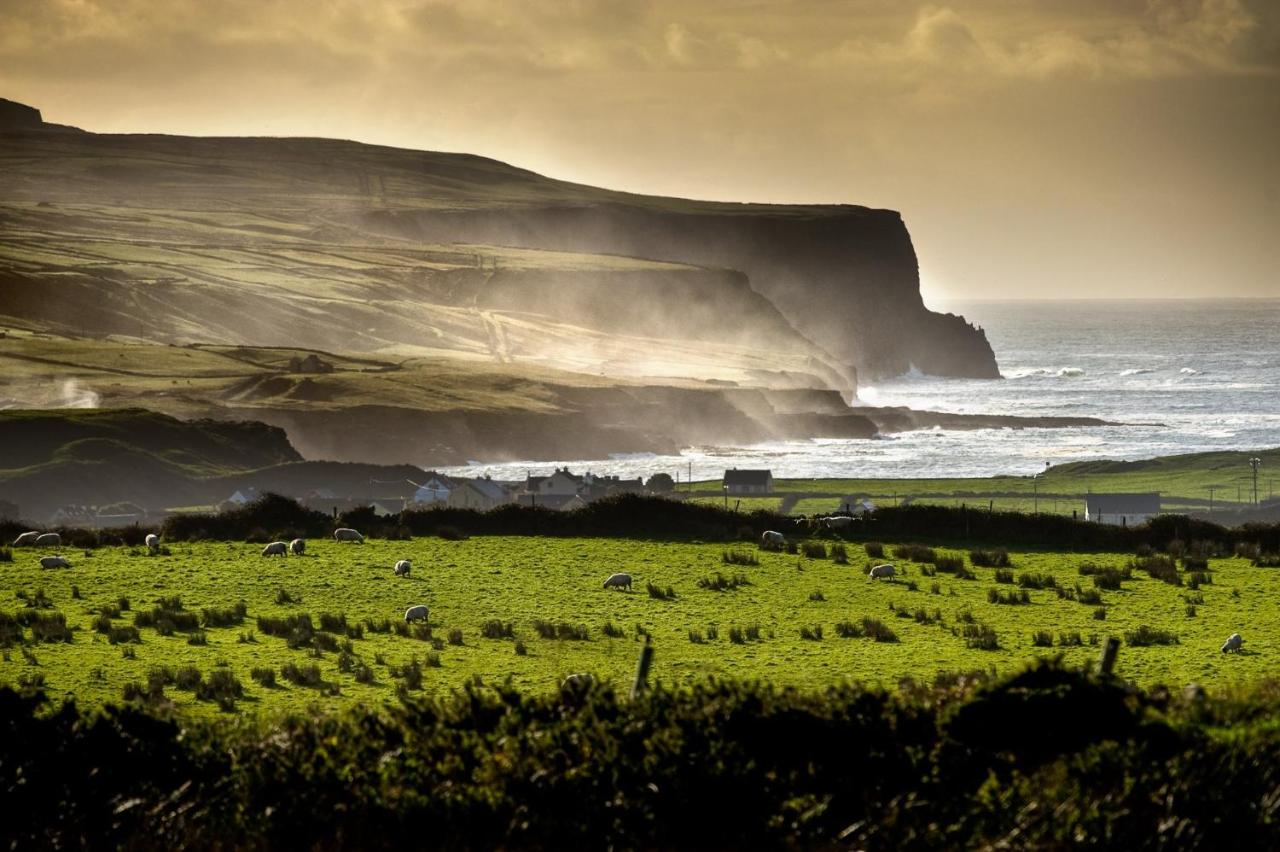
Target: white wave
1070, 372
1137, 371
1187, 371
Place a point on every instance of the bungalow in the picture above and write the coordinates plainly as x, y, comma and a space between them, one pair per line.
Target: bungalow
1122, 510
748, 481
482, 494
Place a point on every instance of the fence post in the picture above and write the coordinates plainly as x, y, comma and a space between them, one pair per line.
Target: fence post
641, 682
1110, 648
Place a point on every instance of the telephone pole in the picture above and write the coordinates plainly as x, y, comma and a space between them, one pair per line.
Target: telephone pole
1255, 463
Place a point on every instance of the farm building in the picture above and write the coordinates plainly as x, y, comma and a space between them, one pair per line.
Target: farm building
1122, 510
748, 481
477, 494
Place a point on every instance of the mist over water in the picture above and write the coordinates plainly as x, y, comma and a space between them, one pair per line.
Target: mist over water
1204, 375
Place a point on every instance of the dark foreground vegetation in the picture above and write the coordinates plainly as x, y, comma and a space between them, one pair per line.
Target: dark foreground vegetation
273, 517
1047, 758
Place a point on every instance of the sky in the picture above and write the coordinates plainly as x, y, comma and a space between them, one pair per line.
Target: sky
1036, 148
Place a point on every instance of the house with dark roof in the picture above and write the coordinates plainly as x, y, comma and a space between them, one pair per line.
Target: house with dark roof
1121, 510
748, 481
560, 483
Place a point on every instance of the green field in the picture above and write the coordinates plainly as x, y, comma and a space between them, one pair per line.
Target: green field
523, 580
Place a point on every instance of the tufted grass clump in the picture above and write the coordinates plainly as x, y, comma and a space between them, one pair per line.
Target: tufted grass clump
721, 583
996, 558
1146, 635
497, 629
739, 557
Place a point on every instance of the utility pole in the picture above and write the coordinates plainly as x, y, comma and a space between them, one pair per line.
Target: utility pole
1212, 488
1255, 463
1035, 487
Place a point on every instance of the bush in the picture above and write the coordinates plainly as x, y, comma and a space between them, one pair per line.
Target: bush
1036, 581
1191, 611
451, 533
997, 558
612, 630
812, 634
225, 617
198, 637
122, 634
497, 629
915, 553
814, 549
839, 554
739, 557
333, 622
455, 637
950, 564
286, 598
6, 555
1146, 635
1089, 597
817, 597
1100, 614
1267, 560
983, 637
1196, 579
1158, 568
563, 630
378, 625
868, 628
49, 627
695, 636
1020, 596
1004, 575
1194, 563
720, 583
520, 648
1042, 639
302, 675
264, 676
1107, 578
874, 549
659, 593
1070, 640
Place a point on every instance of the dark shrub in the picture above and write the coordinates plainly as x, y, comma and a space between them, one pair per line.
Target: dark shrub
1195, 563
333, 622
122, 634
285, 598
840, 554
720, 583
378, 625
1070, 640
814, 550
612, 631
997, 558
451, 533
302, 675
1107, 578
915, 553
817, 597
1042, 639
1004, 575
874, 549
520, 648
548, 630
660, 593
980, 636
224, 617
50, 627
813, 634
1100, 614
950, 563
1088, 597
265, 676
1158, 568
198, 637
739, 557
496, 629
1146, 635
1019, 596
1036, 581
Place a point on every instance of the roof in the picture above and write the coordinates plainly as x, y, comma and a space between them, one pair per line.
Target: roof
486, 488
733, 476
1123, 504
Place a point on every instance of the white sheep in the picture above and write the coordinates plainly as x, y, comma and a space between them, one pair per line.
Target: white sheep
49, 540
416, 613
27, 539
403, 567
153, 541
54, 562
618, 581
882, 572
275, 548
298, 546
1233, 644
347, 534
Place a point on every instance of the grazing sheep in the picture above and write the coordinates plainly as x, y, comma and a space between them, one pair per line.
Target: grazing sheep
347, 534
882, 572
1233, 643
49, 540
618, 581
416, 613
27, 539
838, 522
581, 680
298, 546
153, 541
54, 562
772, 538
275, 548
402, 568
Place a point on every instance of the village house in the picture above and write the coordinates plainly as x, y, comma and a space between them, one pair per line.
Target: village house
1121, 510
482, 494
561, 483
748, 481
434, 489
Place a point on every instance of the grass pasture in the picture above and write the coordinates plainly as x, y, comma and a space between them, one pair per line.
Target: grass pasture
788, 613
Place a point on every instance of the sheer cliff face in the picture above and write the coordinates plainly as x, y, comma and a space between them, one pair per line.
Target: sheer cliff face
845, 277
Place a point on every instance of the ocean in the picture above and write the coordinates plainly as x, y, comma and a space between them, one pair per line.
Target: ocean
1184, 376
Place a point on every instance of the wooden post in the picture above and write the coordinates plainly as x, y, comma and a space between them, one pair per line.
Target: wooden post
641, 683
1110, 648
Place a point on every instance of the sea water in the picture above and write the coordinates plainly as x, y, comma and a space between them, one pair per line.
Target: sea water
1182, 376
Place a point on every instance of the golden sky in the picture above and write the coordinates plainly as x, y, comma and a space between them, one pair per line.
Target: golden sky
1036, 148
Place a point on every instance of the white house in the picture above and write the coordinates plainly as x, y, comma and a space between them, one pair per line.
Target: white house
1121, 510
480, 494
561, 483
435, 489
748, 481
